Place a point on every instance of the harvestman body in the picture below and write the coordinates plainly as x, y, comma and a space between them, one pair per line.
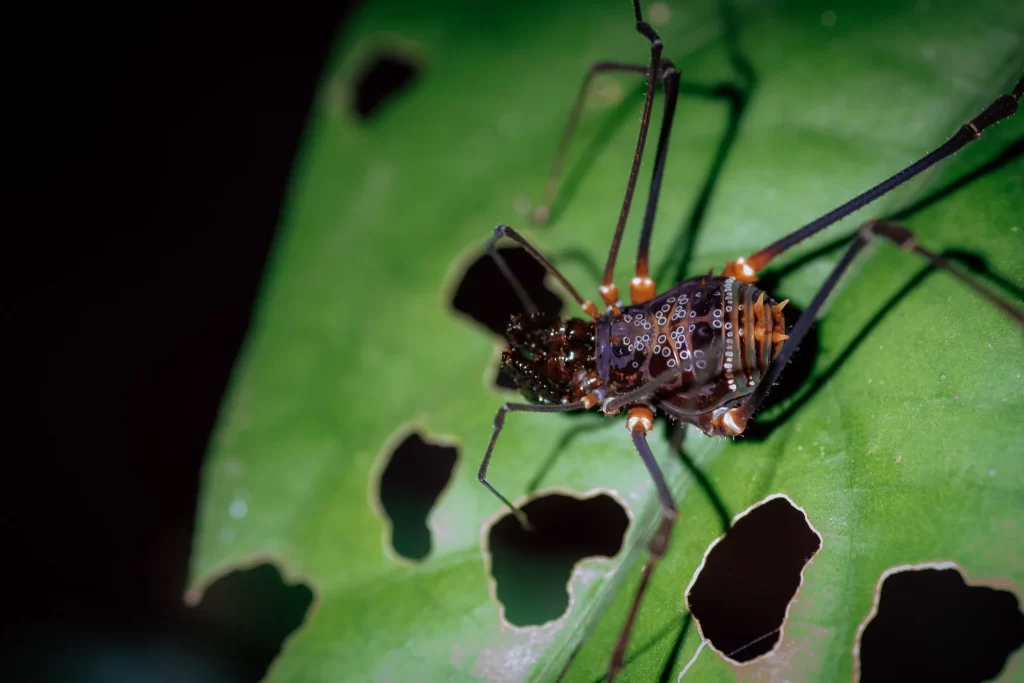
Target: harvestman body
705, 352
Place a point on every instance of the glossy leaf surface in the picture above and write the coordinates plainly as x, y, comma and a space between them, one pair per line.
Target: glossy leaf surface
908, 450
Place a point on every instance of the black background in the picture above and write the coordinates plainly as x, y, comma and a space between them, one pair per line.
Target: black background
151, 150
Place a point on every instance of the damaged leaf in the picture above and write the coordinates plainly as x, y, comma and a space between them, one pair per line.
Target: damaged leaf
907, 451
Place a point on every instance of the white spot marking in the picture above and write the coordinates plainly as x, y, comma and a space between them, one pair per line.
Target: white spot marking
238, 508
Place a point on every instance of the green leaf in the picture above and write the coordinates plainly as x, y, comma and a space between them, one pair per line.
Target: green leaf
908, 452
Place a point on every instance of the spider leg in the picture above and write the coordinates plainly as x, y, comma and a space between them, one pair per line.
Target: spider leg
746, 269
609, 292
542, 212
642, 287
639, 423
506, 231
499, 423
736, 419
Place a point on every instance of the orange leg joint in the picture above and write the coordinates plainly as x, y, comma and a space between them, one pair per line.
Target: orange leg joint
641, 289
746, 269
640, 418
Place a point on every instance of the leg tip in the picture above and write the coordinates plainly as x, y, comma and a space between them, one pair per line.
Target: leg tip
614, 668
524, 521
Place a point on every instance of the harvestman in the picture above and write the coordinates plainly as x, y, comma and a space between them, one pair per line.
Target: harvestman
705, 352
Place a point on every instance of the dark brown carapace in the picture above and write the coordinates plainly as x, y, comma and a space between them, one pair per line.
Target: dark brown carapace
720, 332
550, 359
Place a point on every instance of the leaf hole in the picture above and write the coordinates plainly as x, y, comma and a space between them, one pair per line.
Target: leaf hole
486, 296
503, 380
385, 76
741, 594
929, 624
531, 569
257, 610
416, 474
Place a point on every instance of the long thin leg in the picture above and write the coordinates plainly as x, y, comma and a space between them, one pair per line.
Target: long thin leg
895, 233
1002, 107
642, 288
902, 238
737, 94
543, 211
609, 292
506, 231
499, 422
639, 423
